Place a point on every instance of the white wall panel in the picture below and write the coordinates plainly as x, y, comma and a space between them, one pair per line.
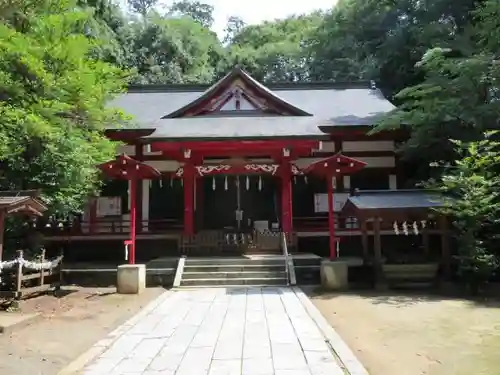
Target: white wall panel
350, 146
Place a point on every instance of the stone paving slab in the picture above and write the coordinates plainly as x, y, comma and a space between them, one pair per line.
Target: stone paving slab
220, 331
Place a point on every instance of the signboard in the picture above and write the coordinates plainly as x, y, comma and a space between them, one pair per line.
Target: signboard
109, 206
321, 202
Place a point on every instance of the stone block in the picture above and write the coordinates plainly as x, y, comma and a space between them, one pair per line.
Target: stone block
334, 274
131, 278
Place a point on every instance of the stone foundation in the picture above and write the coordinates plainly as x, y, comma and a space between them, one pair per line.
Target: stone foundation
131, 278
334, 274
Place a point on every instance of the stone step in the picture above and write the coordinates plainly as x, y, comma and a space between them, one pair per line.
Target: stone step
224, 282
234, 261
234, 267
232, 275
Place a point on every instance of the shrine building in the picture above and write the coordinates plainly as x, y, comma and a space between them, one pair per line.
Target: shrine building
227, 168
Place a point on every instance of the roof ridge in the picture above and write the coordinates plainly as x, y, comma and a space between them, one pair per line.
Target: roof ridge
277, 86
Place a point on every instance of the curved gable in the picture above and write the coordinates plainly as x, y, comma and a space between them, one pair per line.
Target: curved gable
237, 94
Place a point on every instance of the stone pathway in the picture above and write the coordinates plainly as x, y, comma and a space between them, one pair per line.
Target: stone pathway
247, 331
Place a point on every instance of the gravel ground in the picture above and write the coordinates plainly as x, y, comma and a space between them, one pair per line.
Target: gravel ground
411, 334
67, 327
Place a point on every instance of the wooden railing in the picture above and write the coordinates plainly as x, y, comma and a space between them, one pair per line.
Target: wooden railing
109, 226
20, 277
232, 242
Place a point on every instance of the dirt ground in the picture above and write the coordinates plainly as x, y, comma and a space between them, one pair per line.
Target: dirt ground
67, 327
412, 334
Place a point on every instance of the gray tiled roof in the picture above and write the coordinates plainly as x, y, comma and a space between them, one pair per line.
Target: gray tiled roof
395, 199
329, 106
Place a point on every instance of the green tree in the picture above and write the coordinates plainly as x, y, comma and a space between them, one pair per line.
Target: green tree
142, 7
173, 50
52, 104
275, 51
471, 185
383, 40
198, 11
233, 27
458, 98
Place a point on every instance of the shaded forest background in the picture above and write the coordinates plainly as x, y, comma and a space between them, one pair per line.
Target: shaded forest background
438, 61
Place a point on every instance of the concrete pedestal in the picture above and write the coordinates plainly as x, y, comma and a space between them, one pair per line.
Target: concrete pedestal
131, 278
334, 274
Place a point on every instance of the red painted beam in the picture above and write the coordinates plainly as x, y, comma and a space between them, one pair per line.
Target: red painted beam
226, 146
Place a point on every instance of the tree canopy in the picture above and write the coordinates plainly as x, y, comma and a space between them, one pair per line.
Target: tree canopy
52, 103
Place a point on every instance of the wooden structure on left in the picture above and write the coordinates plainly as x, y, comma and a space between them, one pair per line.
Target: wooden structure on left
18, 202
15, 274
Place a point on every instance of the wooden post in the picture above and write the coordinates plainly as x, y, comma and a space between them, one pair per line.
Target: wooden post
2, 228
425, 241
133, 218
377, 262
331, 216
93, 215
19, 276
286, 198
364, 238
188, 177
445, 247
42, 273
139, 155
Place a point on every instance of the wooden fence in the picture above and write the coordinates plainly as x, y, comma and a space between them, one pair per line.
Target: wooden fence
20, 277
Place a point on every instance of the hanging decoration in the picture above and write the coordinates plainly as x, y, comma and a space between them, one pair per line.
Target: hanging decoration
225, 183
214, 186
416, 226
260, 183
171, 182
405, 228
295, 180
396, 229
182, 182
305, 179
248, 183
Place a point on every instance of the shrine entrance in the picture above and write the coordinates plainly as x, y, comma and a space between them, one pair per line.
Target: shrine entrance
237, 202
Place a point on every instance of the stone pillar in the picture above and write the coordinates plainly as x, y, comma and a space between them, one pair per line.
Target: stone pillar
131, 278
334, 274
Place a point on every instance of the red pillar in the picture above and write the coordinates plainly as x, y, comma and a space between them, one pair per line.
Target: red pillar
200, 200
189, 181
139, 155
133, 219
331, 216
286, 198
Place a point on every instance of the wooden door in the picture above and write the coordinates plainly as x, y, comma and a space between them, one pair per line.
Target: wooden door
258, 200
219, 209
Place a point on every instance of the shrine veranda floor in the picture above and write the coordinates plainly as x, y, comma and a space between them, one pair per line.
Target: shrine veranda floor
247, 331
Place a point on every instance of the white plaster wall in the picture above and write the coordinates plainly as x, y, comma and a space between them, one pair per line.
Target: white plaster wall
347, 182
328, 146
350, 146
164, 165
393, 182
126, 149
